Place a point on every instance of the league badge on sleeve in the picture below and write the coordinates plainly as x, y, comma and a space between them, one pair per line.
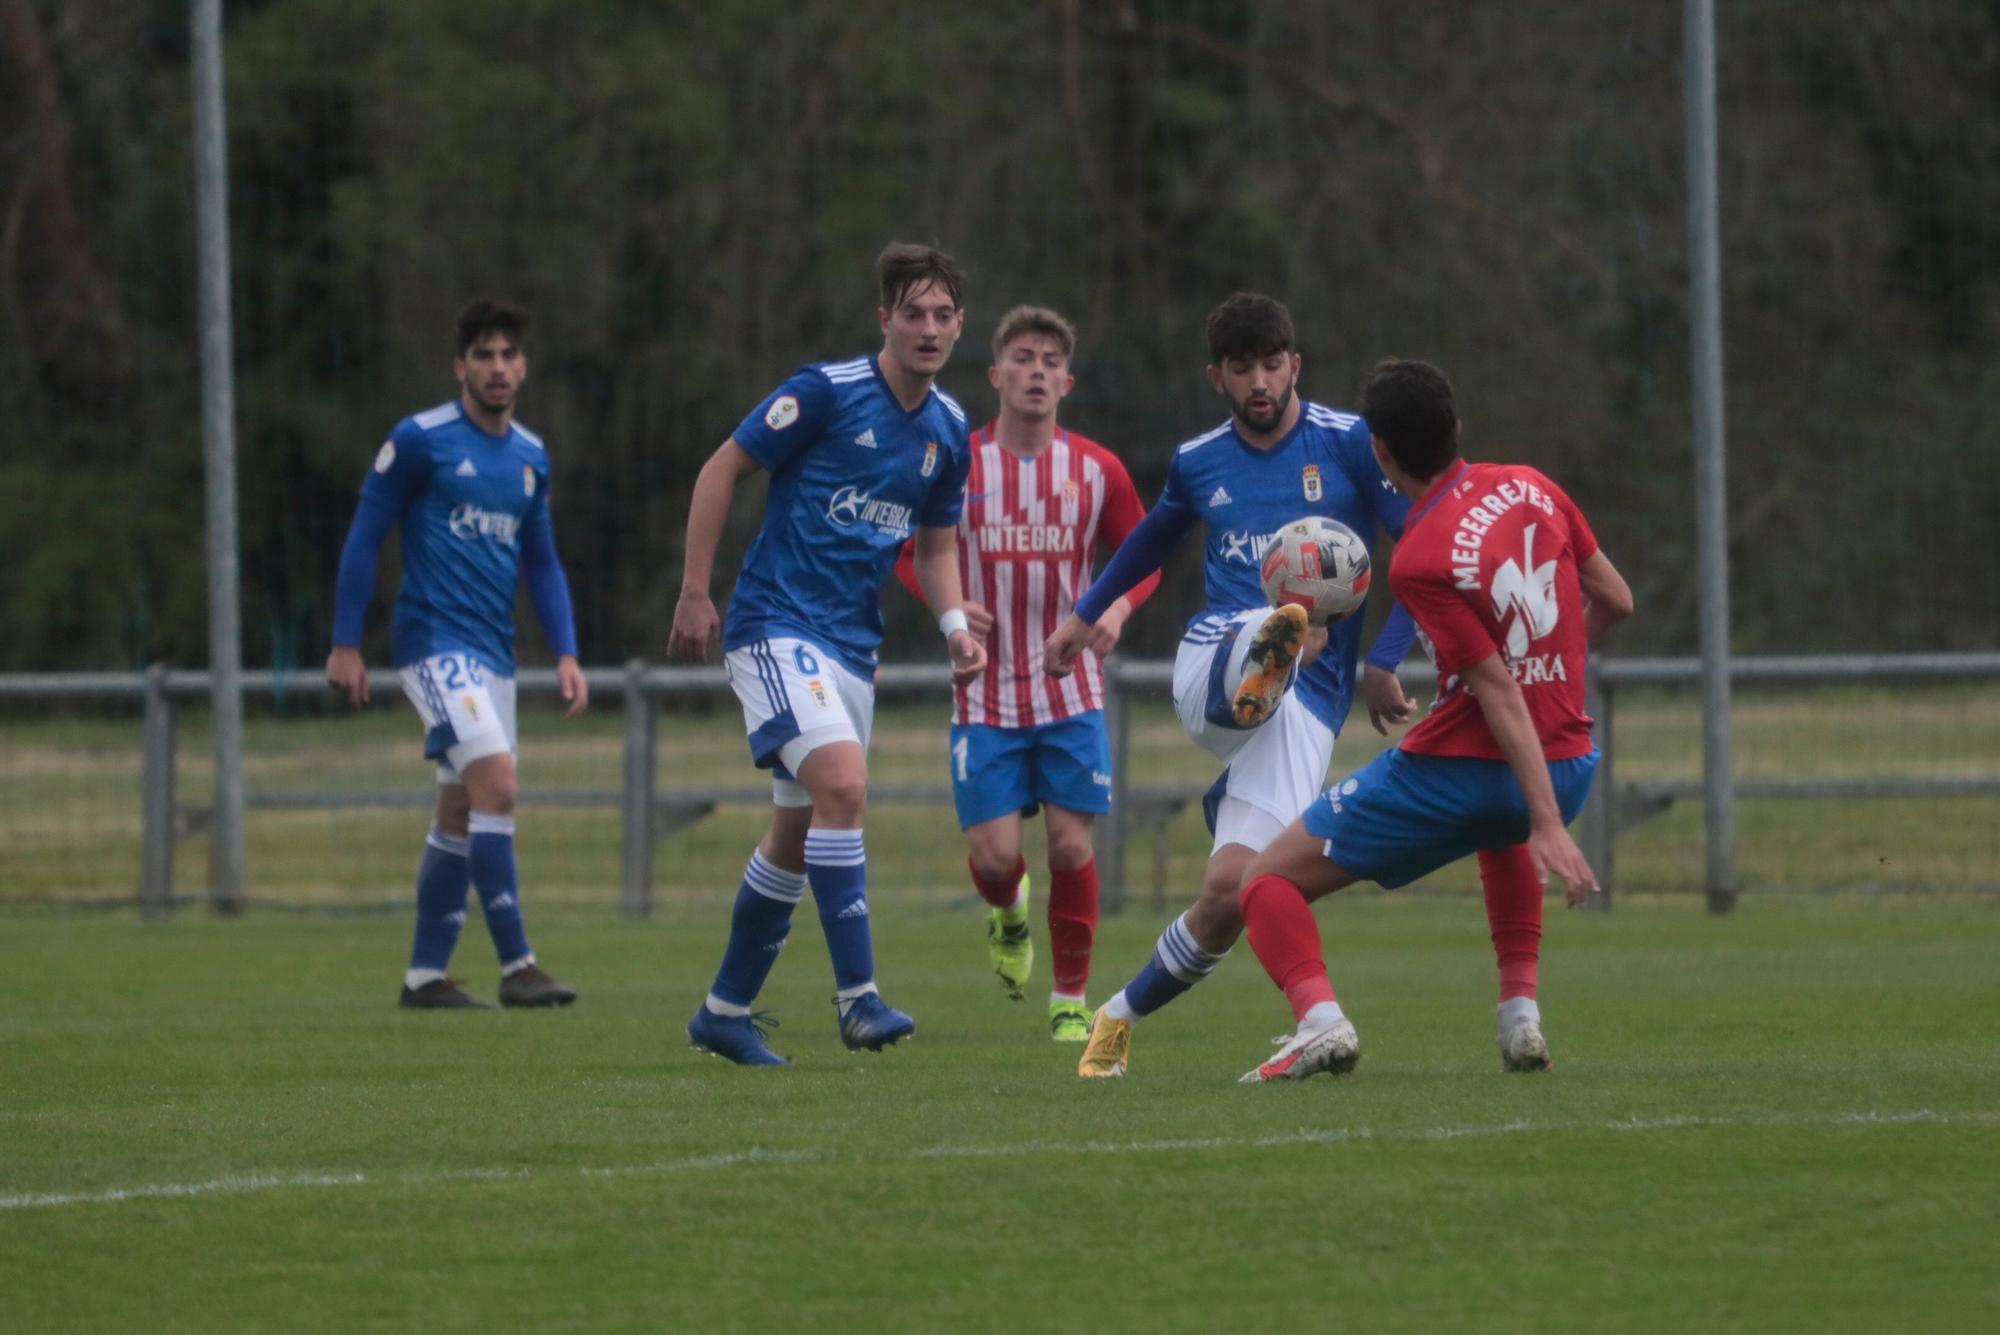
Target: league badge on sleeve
784, 411
527, 480
385, 458
930, 458
1310, 477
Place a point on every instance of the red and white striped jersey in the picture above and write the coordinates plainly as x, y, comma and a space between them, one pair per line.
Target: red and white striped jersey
1025, 543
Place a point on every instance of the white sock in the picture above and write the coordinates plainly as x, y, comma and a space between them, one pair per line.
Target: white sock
416, 978
1120, 1009
512, 967
1057, 998
720, 1007
1323, 1015
847, 996
1516, 1010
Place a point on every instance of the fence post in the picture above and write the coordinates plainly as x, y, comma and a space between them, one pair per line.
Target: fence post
635, 893
1600, 814
156, 798
1111, 831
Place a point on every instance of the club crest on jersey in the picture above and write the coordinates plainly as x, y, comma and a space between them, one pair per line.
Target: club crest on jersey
527, 480
784, 411
930, 458
1310, 478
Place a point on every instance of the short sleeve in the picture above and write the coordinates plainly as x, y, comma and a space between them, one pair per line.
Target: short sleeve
946, 500
790, 418
1457, 637
1582, 538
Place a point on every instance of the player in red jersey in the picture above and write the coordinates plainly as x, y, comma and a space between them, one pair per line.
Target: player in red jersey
1038, 502
1507, 584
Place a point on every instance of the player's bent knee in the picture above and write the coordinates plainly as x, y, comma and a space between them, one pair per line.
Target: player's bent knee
492, 785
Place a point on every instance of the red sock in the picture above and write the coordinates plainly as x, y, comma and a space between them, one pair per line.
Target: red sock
1514, 912
1072, 926
1285, 936
1000, 894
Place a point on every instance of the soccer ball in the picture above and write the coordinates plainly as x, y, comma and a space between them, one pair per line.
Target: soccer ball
1319, 564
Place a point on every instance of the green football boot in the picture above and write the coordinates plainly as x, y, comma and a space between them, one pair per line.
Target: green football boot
1069, 1022
1011, 945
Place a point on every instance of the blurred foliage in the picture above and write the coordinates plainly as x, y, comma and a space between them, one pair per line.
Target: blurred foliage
689, 198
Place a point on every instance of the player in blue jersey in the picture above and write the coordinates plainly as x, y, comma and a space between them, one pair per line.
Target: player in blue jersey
1254, 685
862, 454
469, 487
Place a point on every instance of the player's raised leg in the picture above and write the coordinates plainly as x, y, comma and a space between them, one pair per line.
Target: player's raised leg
990, 784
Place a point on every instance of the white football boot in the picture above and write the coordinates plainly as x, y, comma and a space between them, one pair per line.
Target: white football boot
1334, 1049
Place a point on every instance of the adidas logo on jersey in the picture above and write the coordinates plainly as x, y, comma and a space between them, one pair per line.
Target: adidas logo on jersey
465, 469
866, 440
1220, 497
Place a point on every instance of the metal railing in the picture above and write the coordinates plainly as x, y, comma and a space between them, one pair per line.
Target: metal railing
647, 813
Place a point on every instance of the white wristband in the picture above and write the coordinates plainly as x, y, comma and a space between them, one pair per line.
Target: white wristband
952, 621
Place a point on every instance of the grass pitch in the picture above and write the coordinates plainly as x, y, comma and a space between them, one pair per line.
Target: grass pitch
1787, 1119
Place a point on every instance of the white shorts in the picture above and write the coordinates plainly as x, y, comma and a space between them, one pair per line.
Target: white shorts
467, 709
796, 698
1273, 771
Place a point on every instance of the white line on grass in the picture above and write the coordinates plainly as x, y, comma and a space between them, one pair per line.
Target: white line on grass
238, 1184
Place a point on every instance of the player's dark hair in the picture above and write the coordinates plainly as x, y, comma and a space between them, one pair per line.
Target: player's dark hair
485, 317
904, 266
1034, 320
1249, 325
1409, 405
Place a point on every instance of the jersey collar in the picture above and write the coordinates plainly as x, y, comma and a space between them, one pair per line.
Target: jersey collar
909, 414
1435, 494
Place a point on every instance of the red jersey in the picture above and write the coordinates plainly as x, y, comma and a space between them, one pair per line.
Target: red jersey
1025, 543
1487, 564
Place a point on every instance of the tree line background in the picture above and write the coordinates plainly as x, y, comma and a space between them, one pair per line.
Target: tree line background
689, 196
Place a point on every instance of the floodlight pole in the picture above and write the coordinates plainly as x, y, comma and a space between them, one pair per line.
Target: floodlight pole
218, 434
1710, 471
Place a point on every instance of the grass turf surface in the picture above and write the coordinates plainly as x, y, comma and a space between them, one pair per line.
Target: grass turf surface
1787, 1119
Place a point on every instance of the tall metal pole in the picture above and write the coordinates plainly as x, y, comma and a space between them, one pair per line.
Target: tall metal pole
218, 434
1711, 501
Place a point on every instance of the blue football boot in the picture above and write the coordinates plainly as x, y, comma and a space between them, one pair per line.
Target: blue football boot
737, 1037
874, 1024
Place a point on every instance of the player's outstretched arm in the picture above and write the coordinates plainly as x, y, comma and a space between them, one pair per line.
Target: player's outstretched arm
1607, 597
696, 624
1549, 844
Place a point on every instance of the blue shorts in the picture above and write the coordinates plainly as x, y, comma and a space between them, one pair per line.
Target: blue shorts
998, 770
1403, 815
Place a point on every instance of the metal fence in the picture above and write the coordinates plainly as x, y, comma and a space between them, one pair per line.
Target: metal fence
1142, 807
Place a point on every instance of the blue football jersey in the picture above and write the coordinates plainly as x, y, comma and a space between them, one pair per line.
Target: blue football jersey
1244, 495
470, 502
852, 477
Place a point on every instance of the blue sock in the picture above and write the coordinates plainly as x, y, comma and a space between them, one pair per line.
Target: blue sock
492, 865
442, 878
838, 870
757, 932
1177, 965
